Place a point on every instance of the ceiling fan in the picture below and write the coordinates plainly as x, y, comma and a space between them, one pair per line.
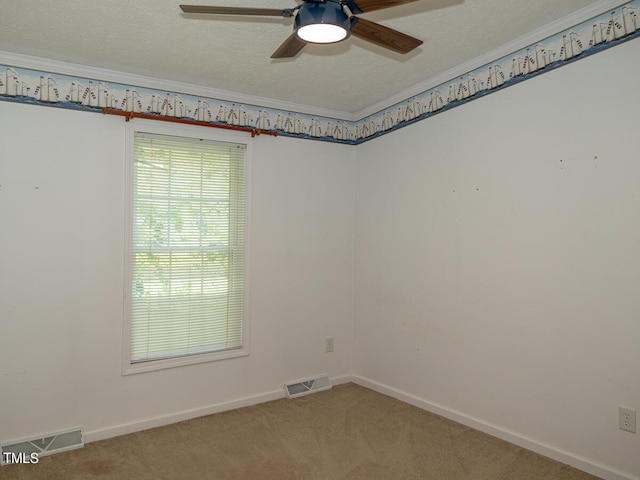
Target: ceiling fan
325, 21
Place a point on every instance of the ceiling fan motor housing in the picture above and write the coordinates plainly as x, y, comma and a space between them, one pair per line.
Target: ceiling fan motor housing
329, 13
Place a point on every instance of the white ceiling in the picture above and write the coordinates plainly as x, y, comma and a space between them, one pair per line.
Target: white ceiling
153, 38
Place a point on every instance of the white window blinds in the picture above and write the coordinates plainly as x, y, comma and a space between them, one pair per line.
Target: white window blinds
187, 251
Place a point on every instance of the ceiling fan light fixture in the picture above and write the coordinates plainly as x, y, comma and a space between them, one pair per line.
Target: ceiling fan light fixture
322, 33
322, 22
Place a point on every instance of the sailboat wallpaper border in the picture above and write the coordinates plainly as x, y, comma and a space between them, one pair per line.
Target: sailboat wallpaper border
587, 38
592, 36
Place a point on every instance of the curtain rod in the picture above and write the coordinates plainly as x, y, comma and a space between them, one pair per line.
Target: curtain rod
129, 115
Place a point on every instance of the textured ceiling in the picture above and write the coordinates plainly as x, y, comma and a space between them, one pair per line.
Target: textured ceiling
153, 38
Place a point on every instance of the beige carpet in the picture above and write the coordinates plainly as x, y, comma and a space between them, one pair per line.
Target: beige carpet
348, 432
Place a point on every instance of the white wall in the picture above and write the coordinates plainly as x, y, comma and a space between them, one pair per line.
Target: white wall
497, 261
61, 279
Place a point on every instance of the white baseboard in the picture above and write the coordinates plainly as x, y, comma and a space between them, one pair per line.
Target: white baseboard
581, 463
159, 421
341, 379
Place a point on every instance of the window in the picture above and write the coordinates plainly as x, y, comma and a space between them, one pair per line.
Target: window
186, 260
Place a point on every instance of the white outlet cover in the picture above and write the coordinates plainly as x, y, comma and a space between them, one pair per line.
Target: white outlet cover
329, 345
627, 419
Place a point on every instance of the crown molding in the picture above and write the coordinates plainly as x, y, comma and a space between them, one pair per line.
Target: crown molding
106, 75
535, 36
416, 103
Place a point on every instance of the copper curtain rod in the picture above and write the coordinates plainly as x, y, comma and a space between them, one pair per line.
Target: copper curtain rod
130, 115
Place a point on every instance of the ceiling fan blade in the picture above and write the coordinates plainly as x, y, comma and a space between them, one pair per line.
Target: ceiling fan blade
361, 6
383, 36
290, 47
269, 12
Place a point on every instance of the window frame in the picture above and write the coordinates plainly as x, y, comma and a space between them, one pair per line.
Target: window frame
194, 132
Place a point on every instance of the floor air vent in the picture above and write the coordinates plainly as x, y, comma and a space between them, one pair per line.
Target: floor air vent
305, 387
26, 451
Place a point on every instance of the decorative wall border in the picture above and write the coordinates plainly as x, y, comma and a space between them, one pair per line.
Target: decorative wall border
65, 91
587, 38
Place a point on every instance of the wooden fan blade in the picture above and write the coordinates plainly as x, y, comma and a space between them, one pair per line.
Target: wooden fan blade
383, 36
269, 12
361, 6
290, 47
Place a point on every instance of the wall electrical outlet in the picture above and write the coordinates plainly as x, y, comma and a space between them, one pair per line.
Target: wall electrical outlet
627, 419
328, 344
